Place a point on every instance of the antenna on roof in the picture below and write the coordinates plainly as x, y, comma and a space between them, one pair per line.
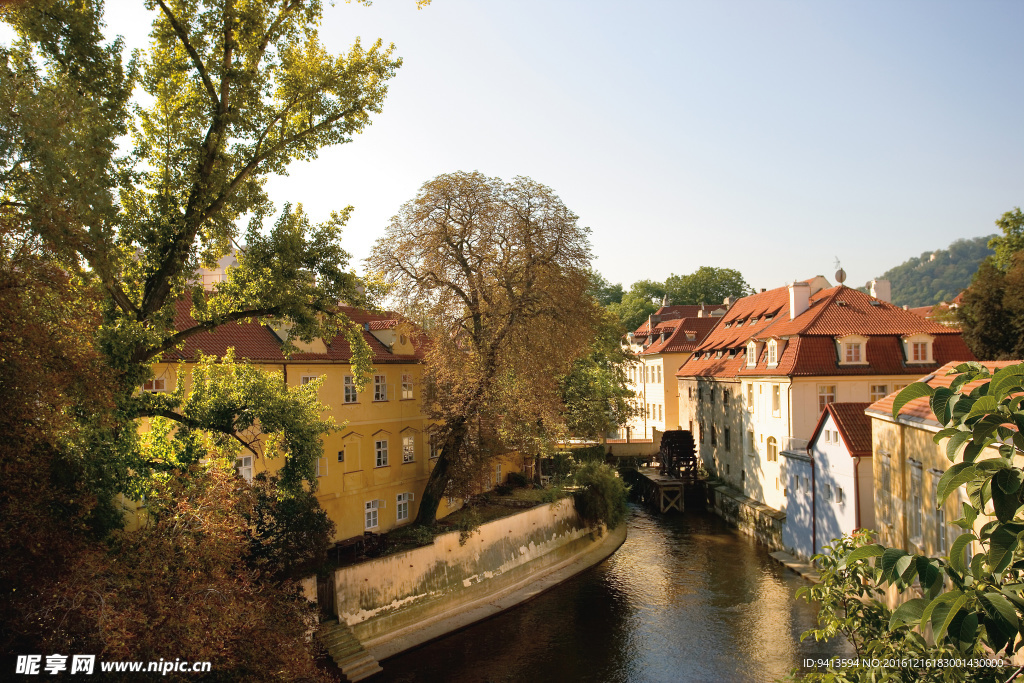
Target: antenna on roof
840, 274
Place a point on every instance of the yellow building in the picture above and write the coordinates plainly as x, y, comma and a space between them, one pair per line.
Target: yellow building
374, 470
907, 466
662, 344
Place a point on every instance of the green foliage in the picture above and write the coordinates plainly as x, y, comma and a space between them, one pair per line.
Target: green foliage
966, 609
601, 495
706, 285
595, 392
604, 292
288, 531
992, 313
1012, 241
936, 276
849, 597
632, 310
517, 480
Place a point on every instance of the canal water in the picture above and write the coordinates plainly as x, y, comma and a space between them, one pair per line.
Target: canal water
685, 598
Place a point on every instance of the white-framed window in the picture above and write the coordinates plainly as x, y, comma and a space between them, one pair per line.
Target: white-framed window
402, 506
751, 354
435, 448
406, 387
321, 467
828, 436
918, 348
341, 455
380, 388
835, 436
659, 374
306, 379
750, 397
879, 391
839, 495
408, 448
828, 492
773, 353
154, 385
497, 473
372, 506
349, 384
773, 449
725, 398
776, 400
381, 450
661, 415
826, 395
752, 444
852, 352
243, 465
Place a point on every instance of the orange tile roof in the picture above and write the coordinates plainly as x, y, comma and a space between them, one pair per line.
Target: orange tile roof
920, 408
677, 332
852, 423
676, 312
808, 342
257, 343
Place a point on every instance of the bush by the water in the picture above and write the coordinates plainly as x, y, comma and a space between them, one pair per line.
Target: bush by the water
601, 496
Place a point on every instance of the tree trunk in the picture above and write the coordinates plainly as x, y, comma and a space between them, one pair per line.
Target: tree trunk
438, 481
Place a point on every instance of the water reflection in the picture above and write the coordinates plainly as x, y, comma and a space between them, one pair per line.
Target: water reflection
684, 599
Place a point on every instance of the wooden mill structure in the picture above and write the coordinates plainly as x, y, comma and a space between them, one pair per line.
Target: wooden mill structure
663, 486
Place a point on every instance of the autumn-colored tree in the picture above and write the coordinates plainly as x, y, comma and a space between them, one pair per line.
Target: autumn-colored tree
497, 274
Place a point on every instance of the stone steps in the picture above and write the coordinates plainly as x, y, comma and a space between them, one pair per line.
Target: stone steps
346, 651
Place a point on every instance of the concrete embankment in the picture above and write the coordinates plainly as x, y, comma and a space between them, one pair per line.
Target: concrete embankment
398, 602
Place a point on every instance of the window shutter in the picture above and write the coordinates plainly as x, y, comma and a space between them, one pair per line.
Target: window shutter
410, 497
382, 504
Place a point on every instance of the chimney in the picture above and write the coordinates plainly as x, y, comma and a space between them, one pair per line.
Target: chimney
799, 298
881, 290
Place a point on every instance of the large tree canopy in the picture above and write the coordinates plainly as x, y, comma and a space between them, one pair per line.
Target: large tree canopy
235, 92
497, 273
108, 206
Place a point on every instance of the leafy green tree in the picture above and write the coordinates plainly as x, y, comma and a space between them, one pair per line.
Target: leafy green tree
497, 273
633, 310
1012, 241
236, 93
596, 391
991, 315
972, 608
706, 285
604, 292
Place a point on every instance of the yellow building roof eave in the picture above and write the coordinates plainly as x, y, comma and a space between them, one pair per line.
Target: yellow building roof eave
927, 424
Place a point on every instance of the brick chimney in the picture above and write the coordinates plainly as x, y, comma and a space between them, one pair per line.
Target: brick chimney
799, 298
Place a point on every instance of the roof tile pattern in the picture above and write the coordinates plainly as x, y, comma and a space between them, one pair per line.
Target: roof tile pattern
257, 343
920, 408
808, 344
853, 424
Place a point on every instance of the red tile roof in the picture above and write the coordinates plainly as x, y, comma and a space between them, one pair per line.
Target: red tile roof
678, 333
676, 312
808, 342
920, 408
852, 423
258, 343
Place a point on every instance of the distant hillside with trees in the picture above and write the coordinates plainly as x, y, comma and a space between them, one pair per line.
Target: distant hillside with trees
936, 276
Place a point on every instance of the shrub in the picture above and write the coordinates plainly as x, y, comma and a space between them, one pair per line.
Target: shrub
517, 480
601, 496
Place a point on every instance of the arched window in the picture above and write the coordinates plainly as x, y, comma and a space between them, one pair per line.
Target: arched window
773, 449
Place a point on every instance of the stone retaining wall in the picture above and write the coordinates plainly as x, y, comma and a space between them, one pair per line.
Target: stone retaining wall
384, 595
749, 516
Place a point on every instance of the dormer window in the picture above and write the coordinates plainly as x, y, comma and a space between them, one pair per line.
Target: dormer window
751, 354
753, 321
691, 336
852, 349
918, 348
773, 353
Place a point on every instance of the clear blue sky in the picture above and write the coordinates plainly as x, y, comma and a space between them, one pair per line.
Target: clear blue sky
769, 137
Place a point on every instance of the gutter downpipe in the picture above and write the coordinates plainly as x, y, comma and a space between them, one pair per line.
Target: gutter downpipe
856, 492
814, 506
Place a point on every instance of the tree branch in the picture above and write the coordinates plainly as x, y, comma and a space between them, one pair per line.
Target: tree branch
181, 419
175, 339
197, 61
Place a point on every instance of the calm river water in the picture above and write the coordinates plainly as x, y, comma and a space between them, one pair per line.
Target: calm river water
684, 599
